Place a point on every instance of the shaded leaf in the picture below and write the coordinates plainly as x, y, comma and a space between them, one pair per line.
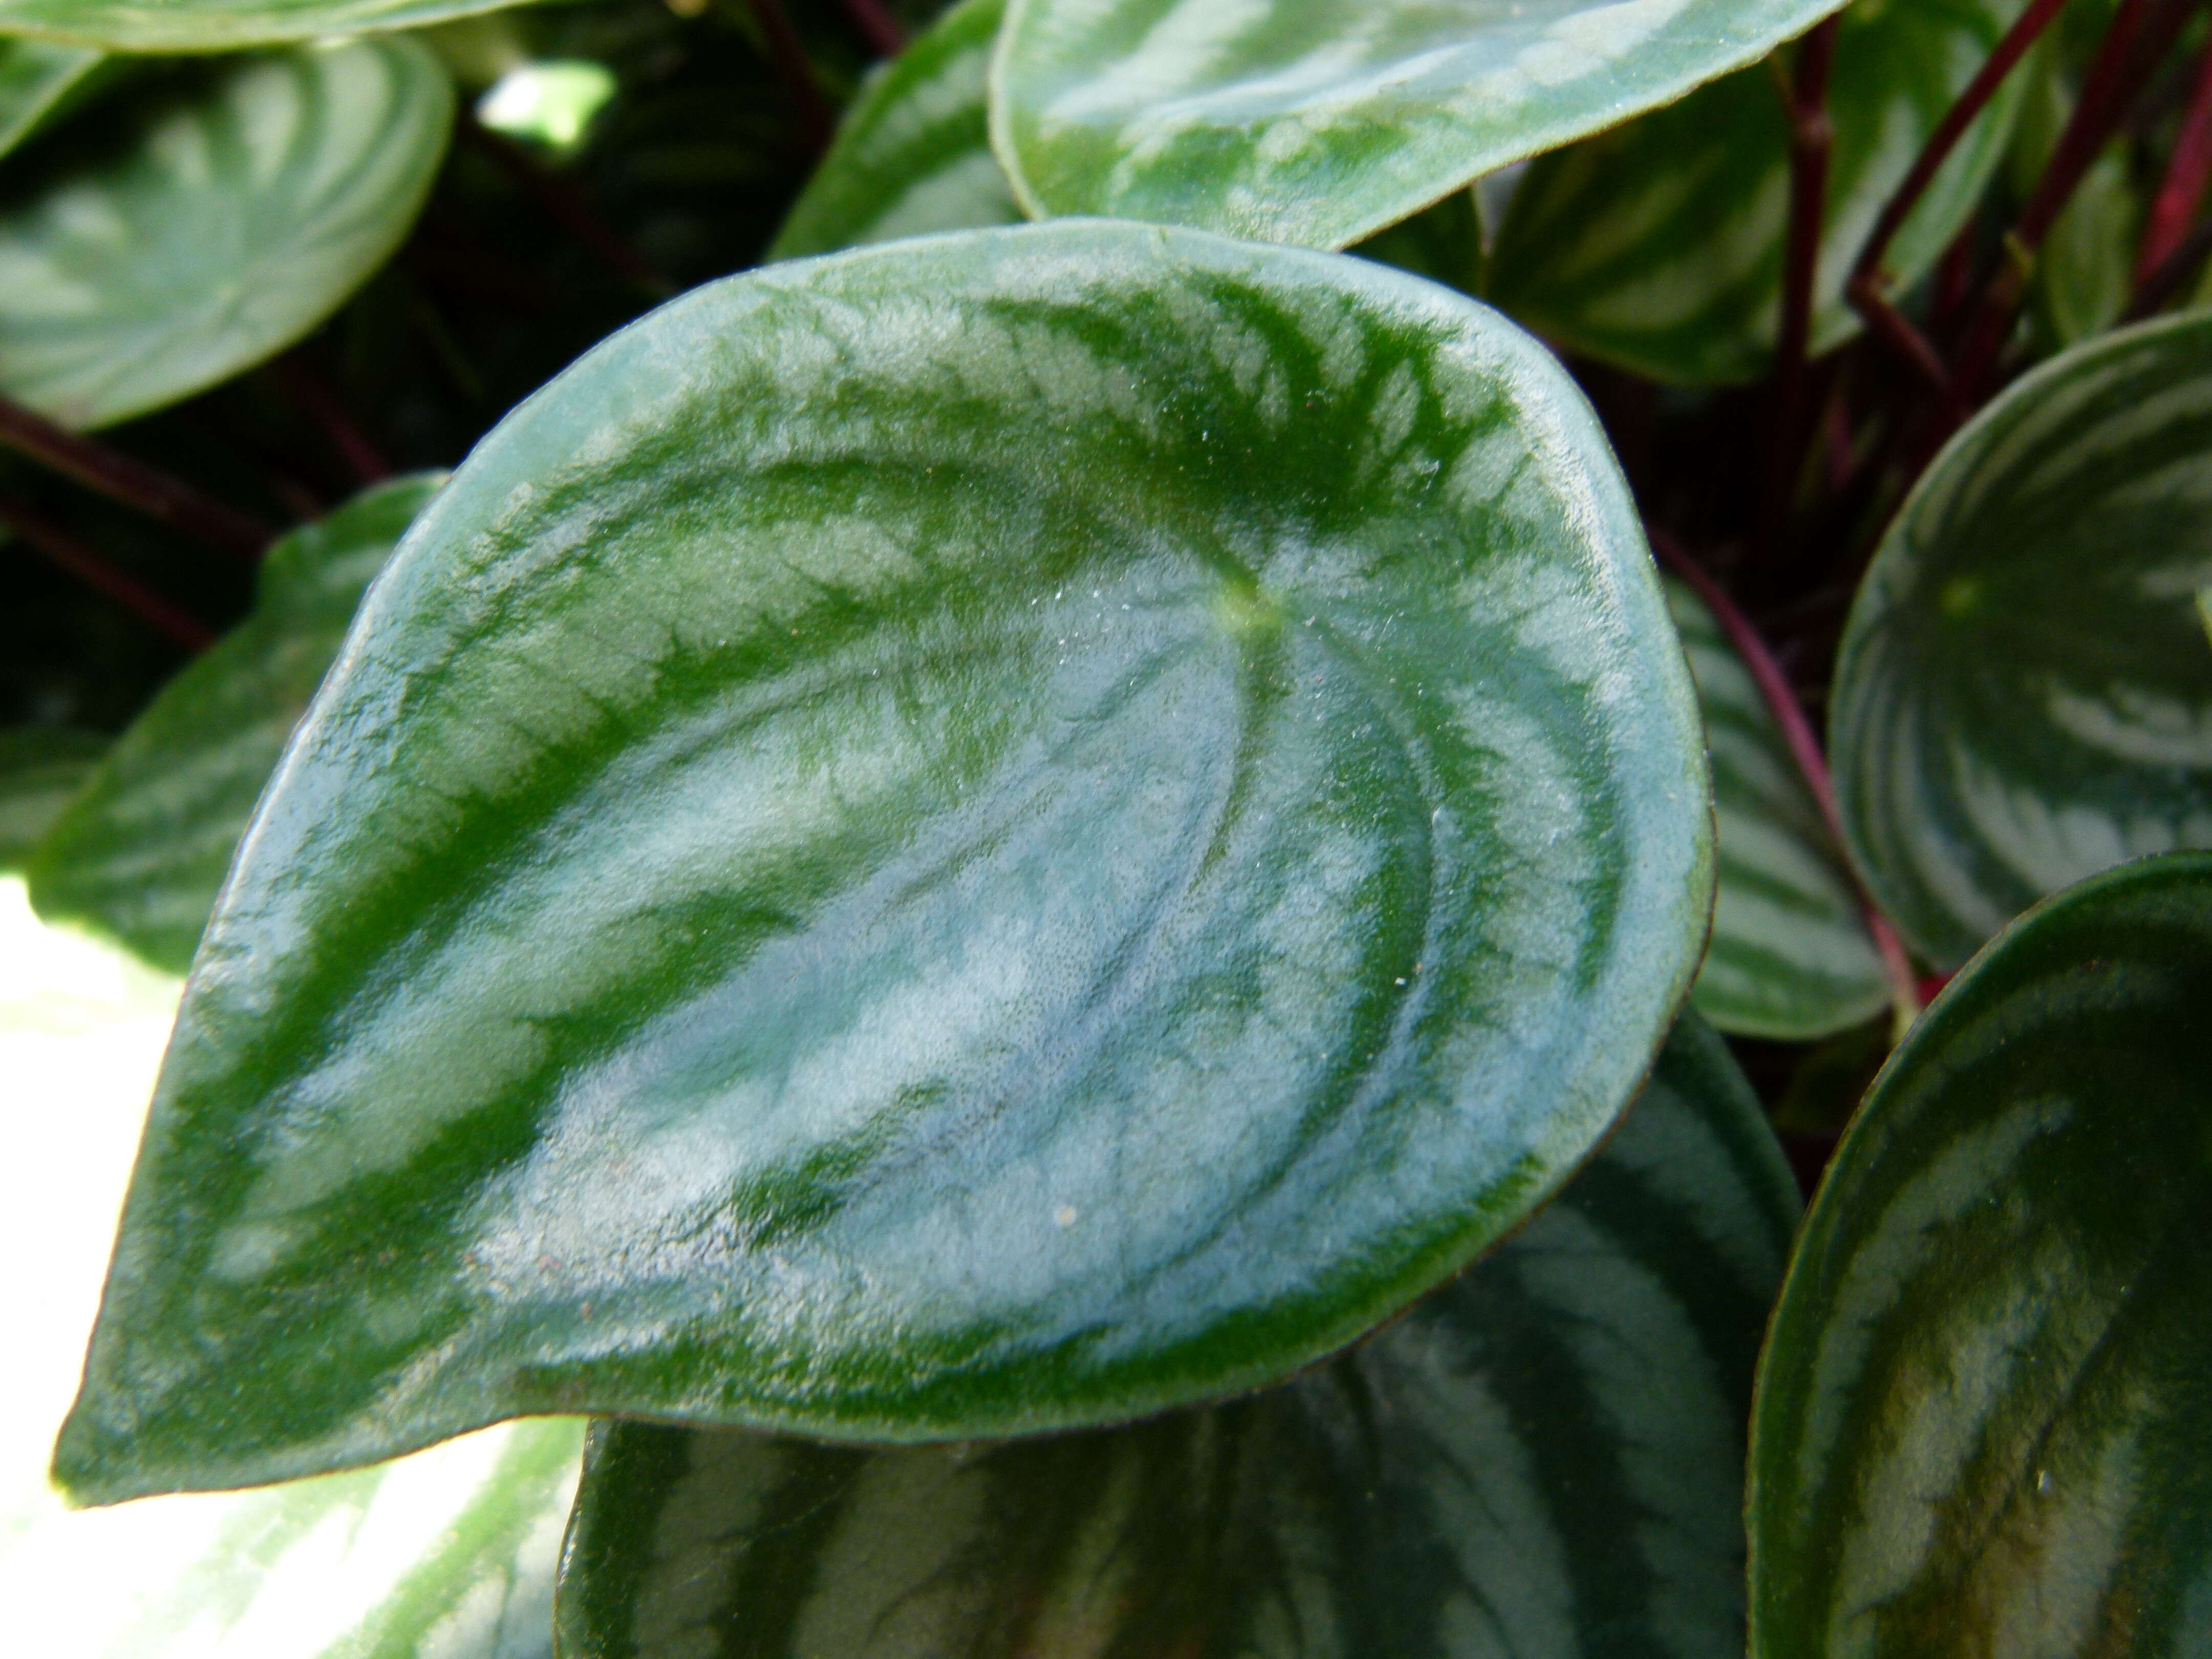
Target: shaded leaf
1659, 246
2024, 695
142, 851
2085, 270
1542, 1458
183, 26
40, 768
1981, 1413
36, 78
1317, 122
846, 881
222, 223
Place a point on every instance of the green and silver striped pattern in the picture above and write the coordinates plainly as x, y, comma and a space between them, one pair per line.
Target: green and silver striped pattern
1658, 246
2024, 694
1542, 1460
1790, 957
1981, 1425
142, 849
1320, 122
40, 768
224, 221
913, 154
184, 26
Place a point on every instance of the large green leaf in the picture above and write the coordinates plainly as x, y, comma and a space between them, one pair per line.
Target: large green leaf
995, 832
913, 154
1790, 957
142, 849
35, 77
222, 222
178, 26
1659, 244
2024, 695
1981, 1419
1317, 122
1542, 1459
40, 768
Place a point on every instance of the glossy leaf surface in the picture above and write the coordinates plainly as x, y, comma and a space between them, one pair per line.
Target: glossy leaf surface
40, 768
142, 851
35, 77
1318, 122
1659, 246
1543, 1458
2024, 695
222, 222
1789, 956
991, 833
913, 154
182, 25
1981, 1416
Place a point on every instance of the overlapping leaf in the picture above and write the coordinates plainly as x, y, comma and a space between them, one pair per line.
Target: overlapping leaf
1790, 957
2024, 694
1981, 1416
35, 77
40, 768
142, 851
995, 832
180, 25
1659, 246
1542, 1458
219, 224
1317, 122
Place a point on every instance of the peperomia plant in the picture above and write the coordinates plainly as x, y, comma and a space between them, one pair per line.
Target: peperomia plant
984, 817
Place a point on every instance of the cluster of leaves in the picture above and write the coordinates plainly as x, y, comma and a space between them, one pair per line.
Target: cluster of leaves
1044, 904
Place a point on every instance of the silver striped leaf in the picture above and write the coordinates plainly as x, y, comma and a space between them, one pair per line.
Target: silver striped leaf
36, 78
2024, 695
1318, 122
141, 851
40, 768
1981, 1418
1543, 1460
1790, 957
189, 26
218, 224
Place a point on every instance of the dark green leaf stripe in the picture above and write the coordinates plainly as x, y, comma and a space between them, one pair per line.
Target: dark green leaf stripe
1790, 957
995, 832
40, 768
36, 76
1981, 1418
142, 849
2024, 692
181, 26
225, 220
1659, 244
1319, 122
1543, 1460
913, 154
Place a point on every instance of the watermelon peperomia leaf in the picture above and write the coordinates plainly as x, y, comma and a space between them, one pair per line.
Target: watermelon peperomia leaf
221, 220
1497, 1461
186, 25
40, 768
1318, 122
1980, 1426
2024, 695
992, 833
36, 78
142, 851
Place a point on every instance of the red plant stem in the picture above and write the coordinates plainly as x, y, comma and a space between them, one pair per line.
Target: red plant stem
2140, 32
789, 56
61, 548
1891, 326
306, 388
561, 203
123, 478
2186, 172
2173, 273
1804, 748
878, 26
1812, 137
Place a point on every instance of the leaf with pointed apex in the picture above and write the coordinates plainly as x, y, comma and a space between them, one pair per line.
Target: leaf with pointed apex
1543, 1457
40, 768
913, 154
2024, 695
142, 849
2085, 270
225, 220
1790, 957
1318, 122
36, 78
190, 26
1981, 1413
991, 833
1659, 246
